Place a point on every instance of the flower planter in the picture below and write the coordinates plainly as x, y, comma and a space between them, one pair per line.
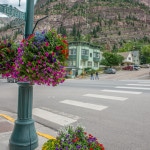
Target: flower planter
73, 139
39, 59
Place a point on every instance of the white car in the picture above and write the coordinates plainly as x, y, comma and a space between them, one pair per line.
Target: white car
11, 80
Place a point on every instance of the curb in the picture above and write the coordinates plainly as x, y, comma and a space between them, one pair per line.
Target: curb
39, 133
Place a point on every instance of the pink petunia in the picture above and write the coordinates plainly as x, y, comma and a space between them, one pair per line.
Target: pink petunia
46, 44
46, 54
58, 47
19, 50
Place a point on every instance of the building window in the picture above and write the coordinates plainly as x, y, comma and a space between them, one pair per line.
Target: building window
129, 58
89, 64
90, 54
96, 55
72, 51
95, 64
85, 52
72, 63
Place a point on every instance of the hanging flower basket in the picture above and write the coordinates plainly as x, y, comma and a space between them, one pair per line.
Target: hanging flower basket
41, 58
72, 138
8, 51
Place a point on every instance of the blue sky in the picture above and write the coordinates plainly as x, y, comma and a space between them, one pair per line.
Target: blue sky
14, 3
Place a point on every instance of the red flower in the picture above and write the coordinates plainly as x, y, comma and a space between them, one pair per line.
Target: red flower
75, 140
90, 135
30, 36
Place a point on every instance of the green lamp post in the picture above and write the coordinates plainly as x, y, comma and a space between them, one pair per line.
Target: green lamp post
24, 136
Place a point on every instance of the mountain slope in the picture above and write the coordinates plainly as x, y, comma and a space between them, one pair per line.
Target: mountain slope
108, 22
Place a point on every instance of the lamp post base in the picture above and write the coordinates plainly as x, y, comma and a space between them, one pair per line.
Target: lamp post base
24, 136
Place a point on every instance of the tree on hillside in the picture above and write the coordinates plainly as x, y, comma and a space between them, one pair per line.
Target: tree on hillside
111, 59
145, 54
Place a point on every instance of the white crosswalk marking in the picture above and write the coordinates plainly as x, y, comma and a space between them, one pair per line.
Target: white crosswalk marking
84, 105
106, 97
144, 82
139, 84
117, 91
128, 87
52, 117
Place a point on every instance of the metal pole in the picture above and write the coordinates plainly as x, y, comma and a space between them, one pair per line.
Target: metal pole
29, 17
19, 3
24, 136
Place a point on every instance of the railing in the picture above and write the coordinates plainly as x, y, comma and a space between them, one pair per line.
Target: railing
72, 57
84, 57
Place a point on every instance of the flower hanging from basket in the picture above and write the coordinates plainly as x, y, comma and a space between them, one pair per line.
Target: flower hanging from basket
8, 51
41, 58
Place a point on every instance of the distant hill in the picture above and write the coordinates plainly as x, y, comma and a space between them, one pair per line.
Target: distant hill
101, 22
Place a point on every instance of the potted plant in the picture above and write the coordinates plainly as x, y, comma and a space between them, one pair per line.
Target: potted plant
41, 58
71, 138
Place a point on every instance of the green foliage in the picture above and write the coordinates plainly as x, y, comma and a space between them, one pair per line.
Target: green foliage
129, 46
51, 145
62, 30
8, 51
111, 59
145, 54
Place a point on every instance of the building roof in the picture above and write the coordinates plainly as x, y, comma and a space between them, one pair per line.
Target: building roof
124, 54
83, 43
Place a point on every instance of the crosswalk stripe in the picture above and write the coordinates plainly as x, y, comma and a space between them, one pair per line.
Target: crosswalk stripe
144, 82
52, 117
84, 105
117, 91
128, 87
139, 84
106, 97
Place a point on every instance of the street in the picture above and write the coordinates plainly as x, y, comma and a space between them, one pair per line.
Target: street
115, 111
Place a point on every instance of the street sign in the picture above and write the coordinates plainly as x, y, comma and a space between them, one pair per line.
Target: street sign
12, 11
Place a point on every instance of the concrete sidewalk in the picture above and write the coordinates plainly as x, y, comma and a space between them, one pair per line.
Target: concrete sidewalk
6, 128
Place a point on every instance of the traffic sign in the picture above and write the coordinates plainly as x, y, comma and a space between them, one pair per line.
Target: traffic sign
12, 11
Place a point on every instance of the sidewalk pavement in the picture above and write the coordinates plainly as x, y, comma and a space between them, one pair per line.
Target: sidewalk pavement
6, 128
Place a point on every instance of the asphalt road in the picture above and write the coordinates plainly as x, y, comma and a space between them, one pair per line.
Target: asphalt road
114, 109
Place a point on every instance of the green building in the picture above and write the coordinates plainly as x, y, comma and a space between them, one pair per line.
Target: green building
82, 55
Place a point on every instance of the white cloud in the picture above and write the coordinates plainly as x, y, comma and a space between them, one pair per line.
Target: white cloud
15, 3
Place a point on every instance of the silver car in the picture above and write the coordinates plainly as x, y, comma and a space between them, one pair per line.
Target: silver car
110, 71
11, 80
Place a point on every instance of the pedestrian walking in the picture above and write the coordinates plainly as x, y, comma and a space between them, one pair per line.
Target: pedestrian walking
92, 77
96, 77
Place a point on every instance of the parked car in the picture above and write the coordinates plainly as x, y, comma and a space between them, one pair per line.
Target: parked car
11, 80
136, 67
128, 68
110, 71
145, 66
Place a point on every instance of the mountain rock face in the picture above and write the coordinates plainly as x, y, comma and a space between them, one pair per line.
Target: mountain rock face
98, 21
